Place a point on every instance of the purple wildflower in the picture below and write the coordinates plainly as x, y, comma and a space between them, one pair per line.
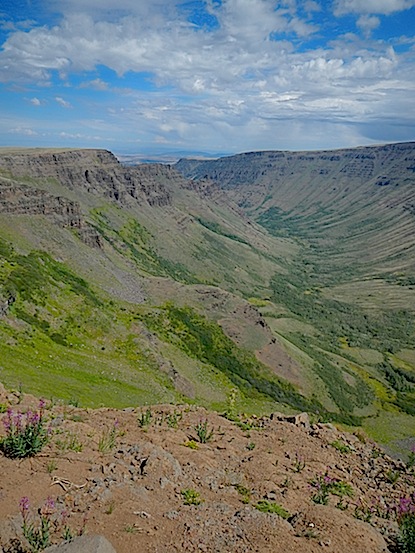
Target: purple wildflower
18, 421
7, 421
24, 505
32, 419
64, 517
48, 508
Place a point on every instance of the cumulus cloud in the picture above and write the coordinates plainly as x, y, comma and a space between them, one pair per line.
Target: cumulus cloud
95, 84
368, 23
311, 6
250, 73
62, 102
23, 131
35, 101
385, 7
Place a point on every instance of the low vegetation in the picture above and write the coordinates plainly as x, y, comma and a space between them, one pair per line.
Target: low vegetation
302, 267
26, 434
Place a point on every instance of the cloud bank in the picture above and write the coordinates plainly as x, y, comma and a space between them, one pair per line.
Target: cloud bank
226, 75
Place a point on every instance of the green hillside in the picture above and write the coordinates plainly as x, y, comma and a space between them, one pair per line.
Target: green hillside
347, 298
128, 286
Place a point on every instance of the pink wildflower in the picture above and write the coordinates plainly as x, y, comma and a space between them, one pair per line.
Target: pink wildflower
48, 508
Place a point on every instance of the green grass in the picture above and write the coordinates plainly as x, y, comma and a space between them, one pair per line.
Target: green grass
270, 507
191, 497
335, 289
135, 241
341, 446
217, 229
206, 341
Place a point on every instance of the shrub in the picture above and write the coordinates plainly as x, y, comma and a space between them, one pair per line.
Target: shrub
406, 523
25, 434
173, 419
299, 463
191, 444
411, 458
191, 497
145, 418
341, 446
52, 525
392, 476
108, 439
269, 507
324, 485
70, 443
38, 535
244, 492
203, 433
406, 539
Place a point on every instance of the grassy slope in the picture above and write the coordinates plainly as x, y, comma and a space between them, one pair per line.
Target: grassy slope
78, 329
350, 287
96, 345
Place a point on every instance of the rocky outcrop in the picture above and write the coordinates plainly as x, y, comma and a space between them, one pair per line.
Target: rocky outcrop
253, 485
17, 199
390, 164
6, 303
95, 171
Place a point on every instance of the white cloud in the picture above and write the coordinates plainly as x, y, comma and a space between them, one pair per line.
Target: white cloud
62, 102
35, 101
23, 131
240, 81
311, 6
368, 23
372, 6
96, 84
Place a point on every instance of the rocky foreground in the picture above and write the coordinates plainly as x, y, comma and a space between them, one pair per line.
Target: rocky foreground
179, 478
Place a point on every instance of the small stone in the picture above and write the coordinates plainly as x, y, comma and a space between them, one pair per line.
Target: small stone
171, 515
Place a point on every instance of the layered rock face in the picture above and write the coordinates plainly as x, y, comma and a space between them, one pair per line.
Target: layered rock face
25, 200
387, 165
95, 171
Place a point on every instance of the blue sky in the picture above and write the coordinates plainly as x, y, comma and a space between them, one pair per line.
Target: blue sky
138, 76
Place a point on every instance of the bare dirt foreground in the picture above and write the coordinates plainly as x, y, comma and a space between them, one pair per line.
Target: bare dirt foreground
143, 479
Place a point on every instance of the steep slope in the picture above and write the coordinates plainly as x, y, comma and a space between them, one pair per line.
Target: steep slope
346, 302
133, 285
358, 205
91, 253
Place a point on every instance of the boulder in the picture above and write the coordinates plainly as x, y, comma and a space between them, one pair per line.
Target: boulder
83, 544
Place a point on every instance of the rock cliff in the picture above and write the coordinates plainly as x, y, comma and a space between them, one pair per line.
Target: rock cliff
95, 171
386, 165
25, 200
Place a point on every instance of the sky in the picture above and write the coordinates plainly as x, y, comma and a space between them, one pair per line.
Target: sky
215, 76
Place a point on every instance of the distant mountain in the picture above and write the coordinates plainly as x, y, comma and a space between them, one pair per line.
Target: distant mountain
282, 280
